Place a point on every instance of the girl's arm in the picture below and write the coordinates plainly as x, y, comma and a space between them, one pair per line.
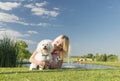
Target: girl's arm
57, 65
32, 60
53, 65
60, 60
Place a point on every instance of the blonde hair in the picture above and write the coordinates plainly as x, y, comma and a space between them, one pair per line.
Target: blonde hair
65, 43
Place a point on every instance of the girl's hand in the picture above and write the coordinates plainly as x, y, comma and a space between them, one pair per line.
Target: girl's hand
41, 63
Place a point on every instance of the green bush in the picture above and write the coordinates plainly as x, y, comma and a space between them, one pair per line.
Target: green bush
8, 52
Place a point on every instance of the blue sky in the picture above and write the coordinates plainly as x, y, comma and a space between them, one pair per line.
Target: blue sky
93, 26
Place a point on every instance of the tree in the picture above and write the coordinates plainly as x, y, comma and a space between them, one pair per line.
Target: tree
112, 58
103, 57
8, 52
89, 55
27, 54
97, 57
22, 51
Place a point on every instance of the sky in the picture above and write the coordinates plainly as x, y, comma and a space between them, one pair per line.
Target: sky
93, 26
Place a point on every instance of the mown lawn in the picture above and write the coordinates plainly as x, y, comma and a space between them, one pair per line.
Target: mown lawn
23, 74
116, 64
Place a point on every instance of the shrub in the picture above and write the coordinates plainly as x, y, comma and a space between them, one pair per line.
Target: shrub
8, 52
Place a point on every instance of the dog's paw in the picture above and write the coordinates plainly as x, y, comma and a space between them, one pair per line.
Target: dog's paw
40, 68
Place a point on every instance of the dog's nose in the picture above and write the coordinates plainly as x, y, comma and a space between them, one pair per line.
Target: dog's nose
45, 47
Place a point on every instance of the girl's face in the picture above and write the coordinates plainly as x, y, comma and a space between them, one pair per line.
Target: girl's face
58, 44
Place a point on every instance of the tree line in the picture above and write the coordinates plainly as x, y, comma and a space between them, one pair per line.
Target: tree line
100, 57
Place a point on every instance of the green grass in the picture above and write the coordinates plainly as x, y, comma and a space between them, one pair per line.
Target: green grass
23, 74
116, 64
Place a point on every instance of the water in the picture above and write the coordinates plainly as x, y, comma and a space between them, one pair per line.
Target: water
69, 64
86, 66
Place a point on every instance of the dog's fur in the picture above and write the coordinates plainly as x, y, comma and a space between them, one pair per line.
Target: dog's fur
44, 48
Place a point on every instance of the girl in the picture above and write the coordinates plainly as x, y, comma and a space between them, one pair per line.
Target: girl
60, 50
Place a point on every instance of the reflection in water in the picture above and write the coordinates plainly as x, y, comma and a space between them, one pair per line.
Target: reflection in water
86, 66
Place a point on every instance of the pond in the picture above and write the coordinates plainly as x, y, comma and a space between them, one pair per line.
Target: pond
85, 66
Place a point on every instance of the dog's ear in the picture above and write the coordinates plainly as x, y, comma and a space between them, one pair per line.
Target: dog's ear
51, 47
39, 45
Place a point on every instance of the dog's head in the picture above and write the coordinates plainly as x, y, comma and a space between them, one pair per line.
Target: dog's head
45, 46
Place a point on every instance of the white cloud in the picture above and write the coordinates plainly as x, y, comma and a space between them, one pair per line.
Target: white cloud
43, 24
56, 8
15, 35
23, 23
44, 12
8, 17
32, 32
29, 6
11, 18
38, 9
11, 33
41, 4
36, 5
8, 5
29, 41
52, 13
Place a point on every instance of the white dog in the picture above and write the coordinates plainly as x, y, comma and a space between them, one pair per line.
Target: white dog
44, 49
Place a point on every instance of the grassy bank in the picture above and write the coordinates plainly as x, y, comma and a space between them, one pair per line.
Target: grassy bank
23, 74
116, 64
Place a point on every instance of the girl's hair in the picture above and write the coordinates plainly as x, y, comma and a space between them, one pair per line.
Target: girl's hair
65, 43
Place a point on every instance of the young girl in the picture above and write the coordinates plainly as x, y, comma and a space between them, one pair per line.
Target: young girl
60, 50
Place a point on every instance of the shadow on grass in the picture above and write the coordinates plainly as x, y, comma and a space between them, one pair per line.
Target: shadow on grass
52, 70
37, 71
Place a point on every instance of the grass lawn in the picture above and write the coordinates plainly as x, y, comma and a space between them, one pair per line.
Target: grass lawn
23, 74
116, 64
